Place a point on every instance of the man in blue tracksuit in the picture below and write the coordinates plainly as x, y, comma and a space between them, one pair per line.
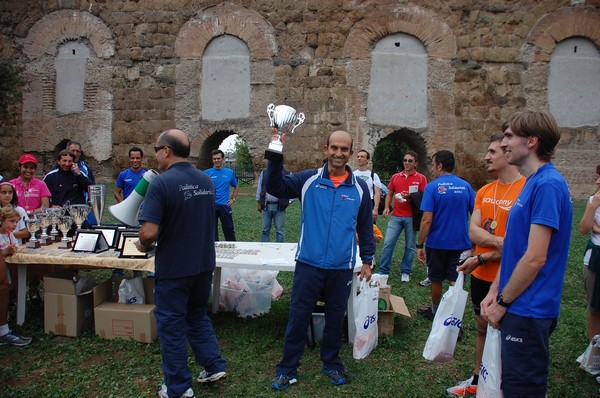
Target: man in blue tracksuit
336, 207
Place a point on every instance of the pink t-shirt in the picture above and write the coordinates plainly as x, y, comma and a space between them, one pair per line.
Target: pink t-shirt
30, 196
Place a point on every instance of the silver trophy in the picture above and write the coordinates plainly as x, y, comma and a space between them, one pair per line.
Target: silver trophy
45, 221
55, 214
285, 120
64, 225
78, 212
97, 199
33, 225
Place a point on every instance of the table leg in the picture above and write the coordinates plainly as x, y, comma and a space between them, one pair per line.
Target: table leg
21, 293
351, 299
216, 290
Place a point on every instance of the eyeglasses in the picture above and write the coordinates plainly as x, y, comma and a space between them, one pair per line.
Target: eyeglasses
408, 160
158, 148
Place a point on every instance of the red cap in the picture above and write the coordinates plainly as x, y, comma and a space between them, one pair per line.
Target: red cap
28, 158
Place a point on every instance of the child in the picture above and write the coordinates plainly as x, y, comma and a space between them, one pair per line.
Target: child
9, 217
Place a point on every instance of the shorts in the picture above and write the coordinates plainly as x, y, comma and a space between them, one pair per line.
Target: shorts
442, 263
589, 279
479, 289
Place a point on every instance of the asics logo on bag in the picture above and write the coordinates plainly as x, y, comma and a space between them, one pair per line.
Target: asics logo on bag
514, 339
453, 321
483, 372
369, 320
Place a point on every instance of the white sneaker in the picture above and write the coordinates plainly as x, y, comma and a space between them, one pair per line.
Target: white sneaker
405, 278
208, 377
162, 393
425, 282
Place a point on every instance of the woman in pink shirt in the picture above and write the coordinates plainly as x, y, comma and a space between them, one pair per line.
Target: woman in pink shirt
32, 193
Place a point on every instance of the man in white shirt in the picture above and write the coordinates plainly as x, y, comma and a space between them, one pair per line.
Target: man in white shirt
371, 178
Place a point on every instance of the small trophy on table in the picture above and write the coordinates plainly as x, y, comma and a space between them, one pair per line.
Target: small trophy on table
64, 225
284, 119
45, 221
33, 225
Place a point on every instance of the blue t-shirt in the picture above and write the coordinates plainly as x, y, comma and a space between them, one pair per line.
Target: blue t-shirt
128, 179
451, 200
182, 202
222, 179
544, 200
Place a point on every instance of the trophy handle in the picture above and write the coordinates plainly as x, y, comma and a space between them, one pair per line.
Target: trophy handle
298, 122
271, 113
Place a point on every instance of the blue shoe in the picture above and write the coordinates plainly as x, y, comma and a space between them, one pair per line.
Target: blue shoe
335, 377
281, 382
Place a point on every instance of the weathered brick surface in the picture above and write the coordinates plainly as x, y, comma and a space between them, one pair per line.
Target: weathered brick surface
485, 60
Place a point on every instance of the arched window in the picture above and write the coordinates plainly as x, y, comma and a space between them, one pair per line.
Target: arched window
70, 64
225, 90
398, 86
574, 83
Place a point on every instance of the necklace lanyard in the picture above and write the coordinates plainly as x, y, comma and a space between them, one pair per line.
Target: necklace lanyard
494, 223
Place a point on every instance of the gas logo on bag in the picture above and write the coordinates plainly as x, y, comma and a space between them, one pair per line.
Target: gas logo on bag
369, 320
453, 321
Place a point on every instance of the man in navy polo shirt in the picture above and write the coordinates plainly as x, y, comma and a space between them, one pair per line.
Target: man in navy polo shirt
524, 300
179, 214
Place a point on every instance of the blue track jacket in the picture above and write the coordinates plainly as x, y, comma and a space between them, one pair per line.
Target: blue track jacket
331, 216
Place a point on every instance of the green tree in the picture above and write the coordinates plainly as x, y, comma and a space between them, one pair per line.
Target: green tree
242, 154
387, 157
11, 82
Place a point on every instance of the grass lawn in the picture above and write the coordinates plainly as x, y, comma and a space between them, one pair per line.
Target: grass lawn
56, 366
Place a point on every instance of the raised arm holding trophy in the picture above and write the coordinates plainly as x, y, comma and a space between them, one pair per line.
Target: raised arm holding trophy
285, 120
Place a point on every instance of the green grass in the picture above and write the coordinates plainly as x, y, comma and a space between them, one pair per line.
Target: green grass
55, 366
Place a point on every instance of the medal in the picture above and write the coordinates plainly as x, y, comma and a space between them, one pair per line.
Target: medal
493, 224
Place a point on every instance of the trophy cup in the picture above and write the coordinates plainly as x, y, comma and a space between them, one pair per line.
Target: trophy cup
78, 212
285, 120
33, 226
45, 220
97, 199
55, 214
64, 225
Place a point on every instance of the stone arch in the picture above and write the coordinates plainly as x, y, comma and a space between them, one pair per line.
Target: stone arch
191, 41
210, 143
576, 151
414, 142
440, 43
43, 126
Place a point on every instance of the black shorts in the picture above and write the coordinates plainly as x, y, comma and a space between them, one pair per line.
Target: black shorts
441, 264
479, 289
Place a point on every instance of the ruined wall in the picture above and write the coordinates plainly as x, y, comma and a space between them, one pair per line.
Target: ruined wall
485, 60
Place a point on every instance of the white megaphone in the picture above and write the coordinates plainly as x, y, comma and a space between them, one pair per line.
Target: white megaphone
127, 211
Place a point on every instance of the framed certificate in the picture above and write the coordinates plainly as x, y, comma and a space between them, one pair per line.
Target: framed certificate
119, 236
128, 248
89, 240
109, 232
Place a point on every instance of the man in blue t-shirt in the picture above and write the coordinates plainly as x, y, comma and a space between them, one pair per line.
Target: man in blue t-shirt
446, 205
129, 178
179, 215
223, 178
524, 300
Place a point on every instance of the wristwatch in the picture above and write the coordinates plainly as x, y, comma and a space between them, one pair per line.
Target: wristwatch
500, 301
419, 246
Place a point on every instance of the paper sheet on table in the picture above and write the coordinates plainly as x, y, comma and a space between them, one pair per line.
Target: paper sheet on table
274, 261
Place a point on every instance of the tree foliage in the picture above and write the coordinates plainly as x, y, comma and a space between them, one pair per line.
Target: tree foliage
11, 82
387, 157
242, 154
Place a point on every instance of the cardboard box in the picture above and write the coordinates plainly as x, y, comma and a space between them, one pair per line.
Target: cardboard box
65, 313
128, 321
384, 298
385, 319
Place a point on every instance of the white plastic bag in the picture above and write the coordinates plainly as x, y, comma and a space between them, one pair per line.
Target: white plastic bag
447, 323
490, 371
590, 359
365, 320
131, 291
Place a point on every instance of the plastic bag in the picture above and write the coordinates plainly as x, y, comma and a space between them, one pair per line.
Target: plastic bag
131, 291
447, 323
590, 359
365, 320
248, 292
490, 371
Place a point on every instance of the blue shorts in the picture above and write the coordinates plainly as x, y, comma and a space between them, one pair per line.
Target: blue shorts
525, 355
441, 264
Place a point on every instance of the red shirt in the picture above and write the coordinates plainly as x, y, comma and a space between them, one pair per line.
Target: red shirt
401, 182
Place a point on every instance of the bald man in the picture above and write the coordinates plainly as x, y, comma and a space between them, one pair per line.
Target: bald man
179, 214
336, 207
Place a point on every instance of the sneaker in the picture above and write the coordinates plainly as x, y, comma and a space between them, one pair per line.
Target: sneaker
281, 382
405, 278
34, 296
425, 282
209, 377
426, 313
162, 393
15, 340
463, 389
335, 376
